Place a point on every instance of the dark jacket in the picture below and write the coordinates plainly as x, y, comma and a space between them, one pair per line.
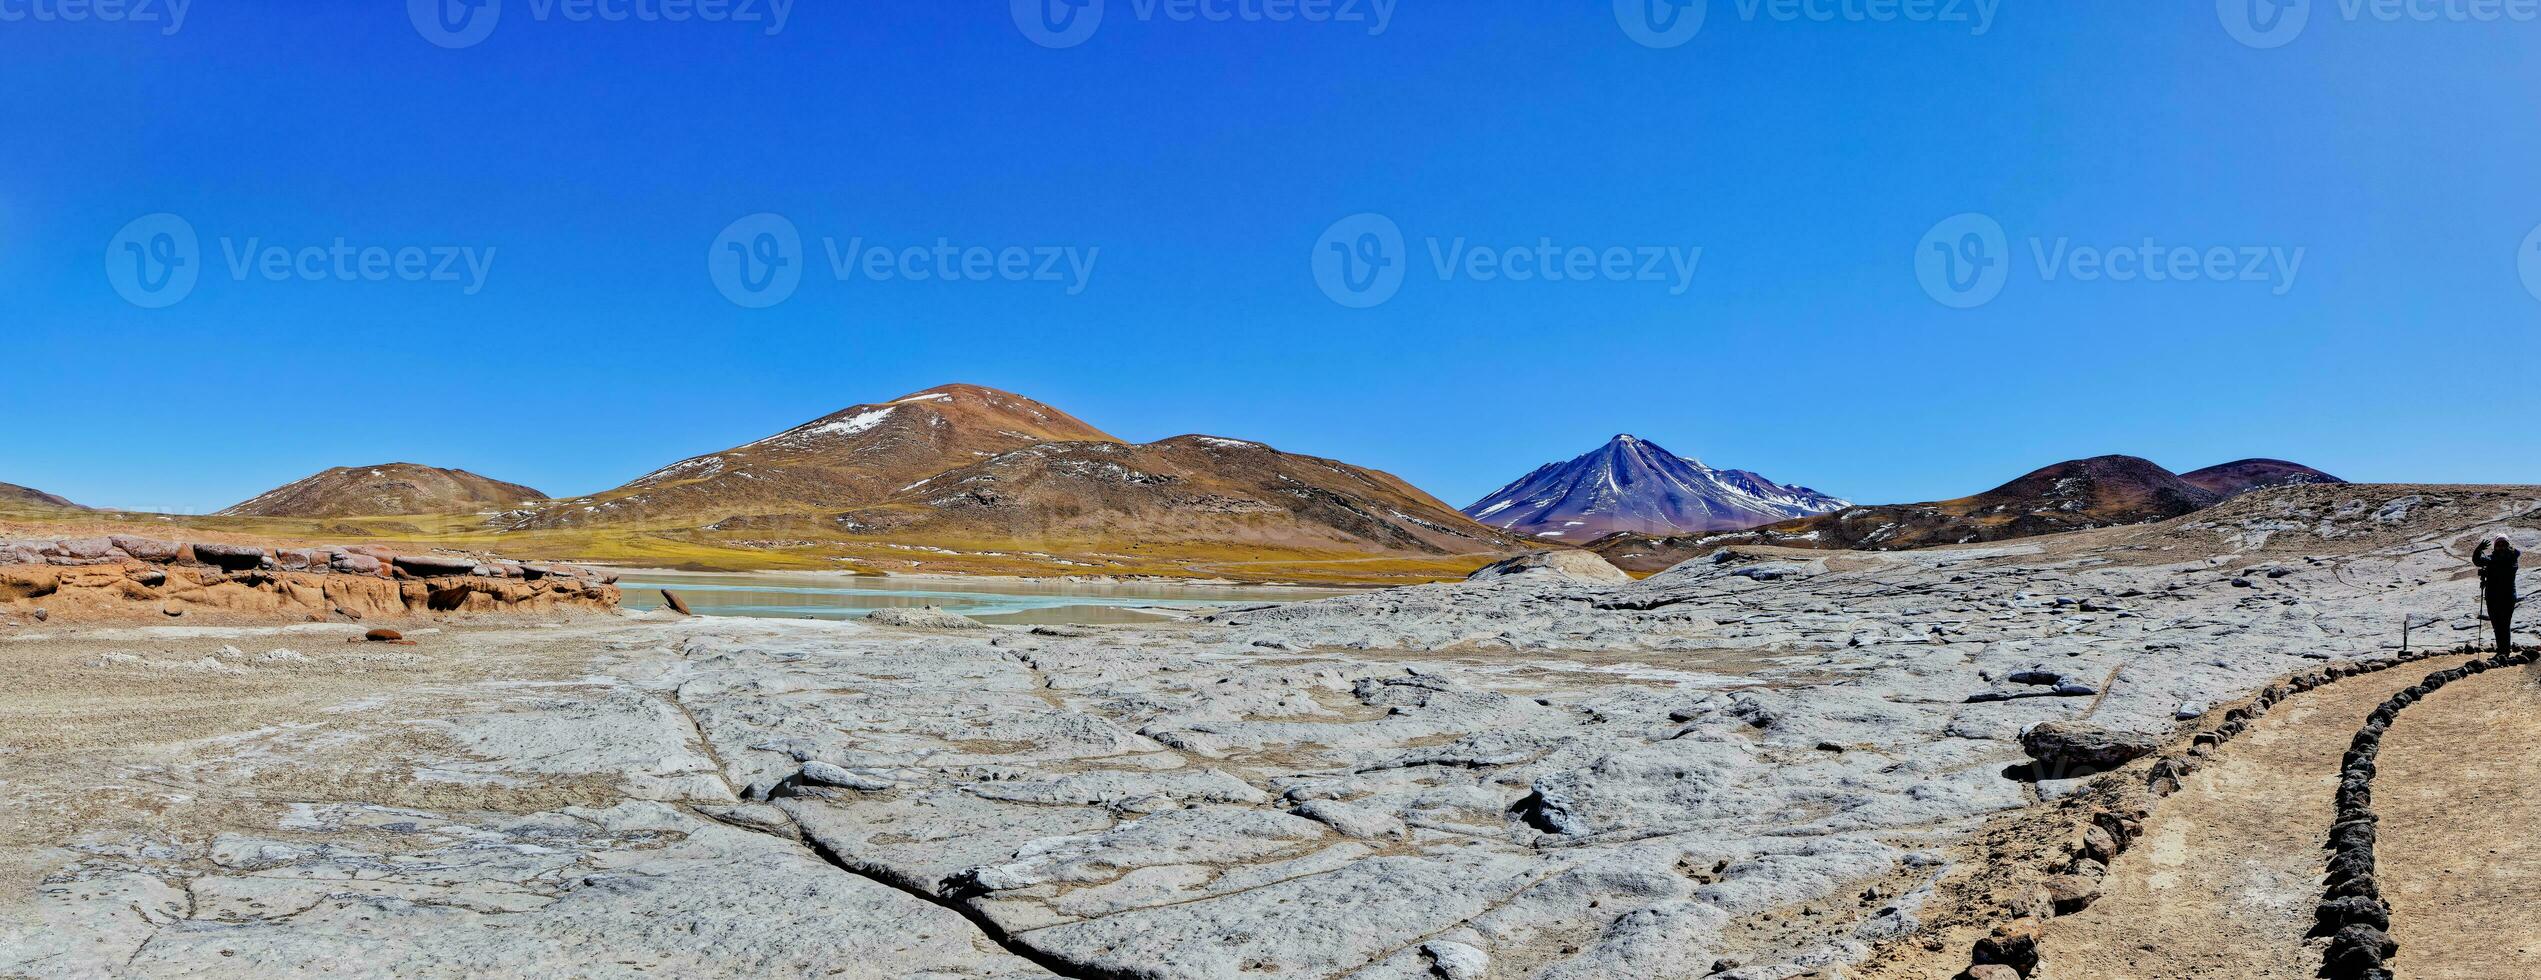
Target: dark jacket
2497, 571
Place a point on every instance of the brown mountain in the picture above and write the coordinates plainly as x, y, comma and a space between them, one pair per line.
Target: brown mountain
855, 457
2104, 491
388, 489
1198, 495
11, 493
2236, 478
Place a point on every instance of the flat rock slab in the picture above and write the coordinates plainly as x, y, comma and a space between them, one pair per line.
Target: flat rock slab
637, 889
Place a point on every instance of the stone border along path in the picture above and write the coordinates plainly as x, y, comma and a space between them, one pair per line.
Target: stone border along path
2113, 818
2352, 908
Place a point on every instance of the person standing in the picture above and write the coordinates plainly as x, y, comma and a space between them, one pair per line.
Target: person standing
2498, 562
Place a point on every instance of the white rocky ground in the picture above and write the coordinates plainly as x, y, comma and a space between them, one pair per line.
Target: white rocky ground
1751, 768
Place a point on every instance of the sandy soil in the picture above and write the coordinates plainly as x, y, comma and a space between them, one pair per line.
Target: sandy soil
2224, 882
2460, 798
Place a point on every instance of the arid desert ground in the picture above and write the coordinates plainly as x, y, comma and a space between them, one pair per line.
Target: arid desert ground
1766, 764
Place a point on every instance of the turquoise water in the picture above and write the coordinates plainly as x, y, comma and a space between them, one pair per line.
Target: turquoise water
780, 595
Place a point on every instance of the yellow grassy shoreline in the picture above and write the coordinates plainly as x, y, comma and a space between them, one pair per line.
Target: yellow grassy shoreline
693, 550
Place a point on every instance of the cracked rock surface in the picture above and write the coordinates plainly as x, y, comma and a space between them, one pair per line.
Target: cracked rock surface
1763, 760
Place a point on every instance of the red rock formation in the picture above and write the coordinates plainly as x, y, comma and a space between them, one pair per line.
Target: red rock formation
127, 577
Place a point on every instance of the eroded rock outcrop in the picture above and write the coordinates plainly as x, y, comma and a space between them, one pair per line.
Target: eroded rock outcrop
124, 577
1578, 566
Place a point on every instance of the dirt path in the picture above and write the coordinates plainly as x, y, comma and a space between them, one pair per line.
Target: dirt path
2225, 879
2460, 798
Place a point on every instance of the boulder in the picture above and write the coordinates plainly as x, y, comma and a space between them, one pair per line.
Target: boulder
2071, 746
2071, 893
1565, 564
428, 566
84, 549
147, 549
2013, 944
230, 557
2098, 844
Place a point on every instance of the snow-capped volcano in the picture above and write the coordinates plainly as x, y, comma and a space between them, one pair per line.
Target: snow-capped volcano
1631, 484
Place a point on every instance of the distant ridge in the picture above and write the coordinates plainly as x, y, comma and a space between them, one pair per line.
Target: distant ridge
13, 493
2075, 495
1632, 485
385, 490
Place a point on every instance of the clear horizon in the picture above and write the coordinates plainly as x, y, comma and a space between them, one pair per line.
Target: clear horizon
1891, 260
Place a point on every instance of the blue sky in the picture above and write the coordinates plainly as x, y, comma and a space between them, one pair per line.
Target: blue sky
1201, 167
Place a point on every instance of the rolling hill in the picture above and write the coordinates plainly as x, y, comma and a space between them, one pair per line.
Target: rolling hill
2242, 476
385, 490
2104, 491
1187, 493
11, 493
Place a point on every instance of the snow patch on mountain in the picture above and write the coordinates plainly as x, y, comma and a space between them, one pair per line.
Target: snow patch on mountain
848, 426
